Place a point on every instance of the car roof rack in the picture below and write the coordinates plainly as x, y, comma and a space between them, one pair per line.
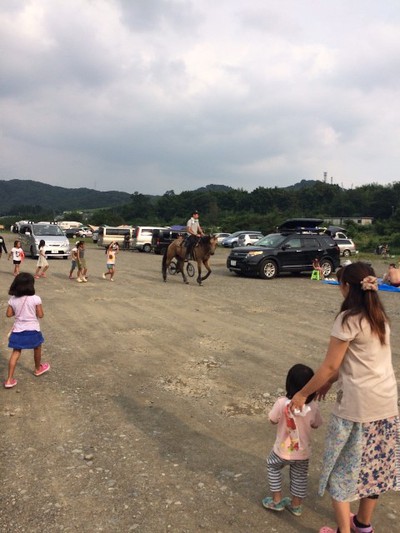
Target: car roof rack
302, 225
303, 230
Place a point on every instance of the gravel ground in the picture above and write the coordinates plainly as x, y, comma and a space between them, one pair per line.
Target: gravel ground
153, 417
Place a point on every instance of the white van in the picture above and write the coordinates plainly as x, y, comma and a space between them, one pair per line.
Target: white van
69, 224
108, 234
142, 237
30, 234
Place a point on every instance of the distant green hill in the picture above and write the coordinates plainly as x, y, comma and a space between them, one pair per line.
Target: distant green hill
14, 193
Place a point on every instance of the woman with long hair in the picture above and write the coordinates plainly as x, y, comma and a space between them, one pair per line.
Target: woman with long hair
362, 451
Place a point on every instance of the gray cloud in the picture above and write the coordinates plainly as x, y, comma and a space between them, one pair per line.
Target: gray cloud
171, 94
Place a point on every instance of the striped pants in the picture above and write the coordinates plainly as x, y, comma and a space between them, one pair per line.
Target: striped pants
298, 472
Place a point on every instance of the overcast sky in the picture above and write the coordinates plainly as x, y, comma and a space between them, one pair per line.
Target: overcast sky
158, 95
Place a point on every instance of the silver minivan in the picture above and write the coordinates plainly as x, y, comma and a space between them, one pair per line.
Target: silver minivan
30, 234
142, 237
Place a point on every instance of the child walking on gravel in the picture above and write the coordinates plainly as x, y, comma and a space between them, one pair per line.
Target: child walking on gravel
18, 255
81, 262
73, 257
42, 264
111, 252
292, 445
27, 308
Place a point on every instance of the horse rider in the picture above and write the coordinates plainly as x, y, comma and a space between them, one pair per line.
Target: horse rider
195, 232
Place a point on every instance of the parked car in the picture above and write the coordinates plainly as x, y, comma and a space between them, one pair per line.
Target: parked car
70, 232
232, 240
221, 237
288, 250
31, 233
248, 239
142, 236
84, 231
162, 238
346, 246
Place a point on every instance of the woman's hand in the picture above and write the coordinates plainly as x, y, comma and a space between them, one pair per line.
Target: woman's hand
297, 402
323, 391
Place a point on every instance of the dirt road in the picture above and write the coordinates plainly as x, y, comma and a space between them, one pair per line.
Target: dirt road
152, 418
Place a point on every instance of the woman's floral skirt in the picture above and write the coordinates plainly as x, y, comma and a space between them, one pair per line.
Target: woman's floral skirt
361, 459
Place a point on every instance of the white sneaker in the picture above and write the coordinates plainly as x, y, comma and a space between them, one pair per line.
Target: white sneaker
84, 279
79, 280
111, 279
104, 276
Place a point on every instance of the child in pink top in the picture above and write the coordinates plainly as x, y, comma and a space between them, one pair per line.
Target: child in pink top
292, 446
26, 307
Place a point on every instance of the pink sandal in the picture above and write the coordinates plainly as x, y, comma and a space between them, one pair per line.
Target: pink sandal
10, 385
44, 367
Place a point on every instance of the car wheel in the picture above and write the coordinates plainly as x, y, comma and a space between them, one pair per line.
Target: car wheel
147, 248
346, 253
327, 267
268, 269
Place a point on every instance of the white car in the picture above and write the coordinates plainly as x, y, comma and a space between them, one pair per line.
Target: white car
248, 239
346, 247
221, 237
84, 232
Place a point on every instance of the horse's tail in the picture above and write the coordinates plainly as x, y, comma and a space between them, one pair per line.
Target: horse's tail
164, 264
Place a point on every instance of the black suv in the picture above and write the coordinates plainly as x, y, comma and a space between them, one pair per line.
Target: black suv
162, 238
292, 249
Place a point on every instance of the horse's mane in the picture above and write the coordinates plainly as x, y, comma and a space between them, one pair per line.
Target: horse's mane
205, 239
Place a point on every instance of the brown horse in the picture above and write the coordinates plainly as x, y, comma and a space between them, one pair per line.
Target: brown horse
202, 252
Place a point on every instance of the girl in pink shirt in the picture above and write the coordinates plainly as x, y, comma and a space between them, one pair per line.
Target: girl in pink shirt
27, 308
292, 446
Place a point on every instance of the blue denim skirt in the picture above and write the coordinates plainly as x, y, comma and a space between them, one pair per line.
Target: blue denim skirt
25, 340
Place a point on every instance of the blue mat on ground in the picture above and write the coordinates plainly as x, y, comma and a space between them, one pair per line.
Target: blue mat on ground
381, 286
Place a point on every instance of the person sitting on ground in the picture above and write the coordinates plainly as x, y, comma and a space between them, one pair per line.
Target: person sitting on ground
194, 229
392, 276
385, 250
316, 266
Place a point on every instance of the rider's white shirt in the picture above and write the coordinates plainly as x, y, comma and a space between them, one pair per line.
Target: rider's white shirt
193, 224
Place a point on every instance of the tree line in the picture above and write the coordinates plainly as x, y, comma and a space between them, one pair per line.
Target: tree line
226, 209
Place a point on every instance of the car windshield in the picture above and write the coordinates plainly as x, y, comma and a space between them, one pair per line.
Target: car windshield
41, 230
271, 241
